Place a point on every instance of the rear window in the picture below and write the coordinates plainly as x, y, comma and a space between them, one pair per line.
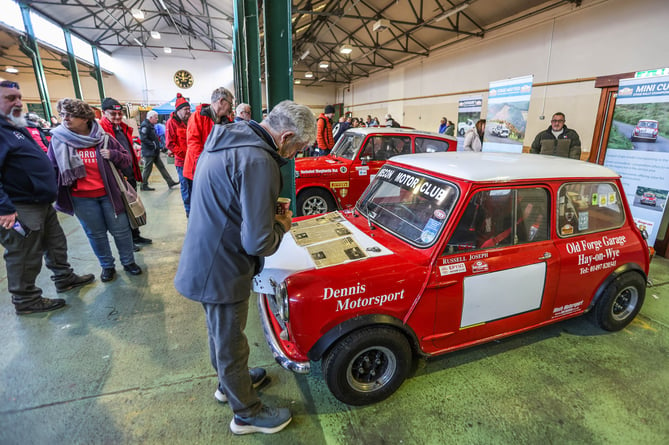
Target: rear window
588, 207
424, 145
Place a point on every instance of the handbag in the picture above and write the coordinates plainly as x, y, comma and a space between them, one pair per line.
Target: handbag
134, 207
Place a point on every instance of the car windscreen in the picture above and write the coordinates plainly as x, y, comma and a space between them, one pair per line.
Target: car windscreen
647, 124
347, 146
410, 205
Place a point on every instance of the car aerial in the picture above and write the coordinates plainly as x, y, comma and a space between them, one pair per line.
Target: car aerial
336, 181
500, 130
445, 251
646, 129
464, 127
648, 198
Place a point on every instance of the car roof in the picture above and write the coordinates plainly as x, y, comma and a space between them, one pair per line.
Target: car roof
399, 131
647, 120
484, 166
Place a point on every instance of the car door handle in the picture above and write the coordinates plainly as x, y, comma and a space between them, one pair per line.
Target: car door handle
545, 256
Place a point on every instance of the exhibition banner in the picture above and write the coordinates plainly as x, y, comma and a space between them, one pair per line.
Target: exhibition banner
469, 112
506, 121
638, 148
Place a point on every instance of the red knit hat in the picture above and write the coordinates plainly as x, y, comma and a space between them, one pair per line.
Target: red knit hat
181, 102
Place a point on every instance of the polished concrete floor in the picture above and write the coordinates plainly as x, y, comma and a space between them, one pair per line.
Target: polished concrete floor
126, 362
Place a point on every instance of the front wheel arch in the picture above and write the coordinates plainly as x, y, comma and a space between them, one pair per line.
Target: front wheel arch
316, 199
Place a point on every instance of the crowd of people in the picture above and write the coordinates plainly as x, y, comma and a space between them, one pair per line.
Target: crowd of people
230, 200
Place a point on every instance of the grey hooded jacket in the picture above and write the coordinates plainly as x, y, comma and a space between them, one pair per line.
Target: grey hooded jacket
231, 225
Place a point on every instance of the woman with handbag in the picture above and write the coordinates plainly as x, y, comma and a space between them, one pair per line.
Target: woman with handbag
84, 155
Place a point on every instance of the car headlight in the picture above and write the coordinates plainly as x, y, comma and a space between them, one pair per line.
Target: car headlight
282, 300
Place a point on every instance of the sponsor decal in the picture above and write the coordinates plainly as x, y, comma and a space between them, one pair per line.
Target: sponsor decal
362, 171
353, 297
339, 184
597, 254
567, 309
452, 268
439, 214
343, 169
479, 266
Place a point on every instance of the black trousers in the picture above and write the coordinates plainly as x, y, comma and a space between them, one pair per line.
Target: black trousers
149, 161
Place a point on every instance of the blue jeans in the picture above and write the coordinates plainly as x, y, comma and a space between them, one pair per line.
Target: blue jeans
185, 189
97, 217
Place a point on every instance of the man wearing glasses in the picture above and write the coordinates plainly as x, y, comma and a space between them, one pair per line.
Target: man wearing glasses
29, 227
112, 123
558, 140
243, 112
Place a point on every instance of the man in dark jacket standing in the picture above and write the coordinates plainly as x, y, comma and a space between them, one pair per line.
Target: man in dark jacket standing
151, 151
234, 226
558, 140
29, 227
112, 123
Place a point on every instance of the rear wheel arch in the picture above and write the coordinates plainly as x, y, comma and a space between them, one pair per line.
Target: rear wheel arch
625, 268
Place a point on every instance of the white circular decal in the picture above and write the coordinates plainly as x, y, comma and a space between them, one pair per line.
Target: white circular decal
439, 214
343, 169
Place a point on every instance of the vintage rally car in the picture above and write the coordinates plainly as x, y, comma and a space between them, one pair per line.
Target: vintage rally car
648, 198
646, 129
500, 130
336, 181
445, 251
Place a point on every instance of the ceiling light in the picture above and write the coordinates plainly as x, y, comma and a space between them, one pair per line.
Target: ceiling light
451, 12
137, 13
346, 49
324, 64
11, 70
381, 25
298, 81
304, 55
167, 50
137, 41
308, 75
155, 35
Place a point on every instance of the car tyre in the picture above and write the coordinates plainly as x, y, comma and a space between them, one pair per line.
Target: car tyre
461, 132
314, 202
620, 302
367, 365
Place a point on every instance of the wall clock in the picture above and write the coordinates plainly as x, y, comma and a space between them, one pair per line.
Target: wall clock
183, 79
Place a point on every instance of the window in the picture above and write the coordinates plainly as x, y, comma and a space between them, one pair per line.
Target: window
587, 207
424, 145
381, 148
347, 146
502, 217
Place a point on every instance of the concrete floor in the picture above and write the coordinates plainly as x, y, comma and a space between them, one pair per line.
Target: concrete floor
127, 363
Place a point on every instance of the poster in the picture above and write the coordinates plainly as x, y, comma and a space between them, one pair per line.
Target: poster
469, 112
638, 148
506, 122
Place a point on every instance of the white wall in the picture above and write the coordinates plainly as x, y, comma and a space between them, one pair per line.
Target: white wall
601, 37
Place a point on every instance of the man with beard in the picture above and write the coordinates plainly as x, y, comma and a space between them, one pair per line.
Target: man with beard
29, 227
112, 123
176, 143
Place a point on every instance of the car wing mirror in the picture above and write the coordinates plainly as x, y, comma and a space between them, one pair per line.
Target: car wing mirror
365, 159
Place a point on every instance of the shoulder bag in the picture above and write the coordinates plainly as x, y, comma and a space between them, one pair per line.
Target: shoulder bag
134, 207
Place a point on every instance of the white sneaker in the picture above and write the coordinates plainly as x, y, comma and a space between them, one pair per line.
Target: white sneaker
267, 421
258, 376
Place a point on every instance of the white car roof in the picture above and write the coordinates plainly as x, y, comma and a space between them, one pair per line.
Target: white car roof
503, 166
390, 130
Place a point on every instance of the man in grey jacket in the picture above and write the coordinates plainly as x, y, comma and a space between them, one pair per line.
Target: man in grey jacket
232, 227
151, 151
558, 140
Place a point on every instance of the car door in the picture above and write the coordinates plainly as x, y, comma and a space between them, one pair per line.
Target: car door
497, 273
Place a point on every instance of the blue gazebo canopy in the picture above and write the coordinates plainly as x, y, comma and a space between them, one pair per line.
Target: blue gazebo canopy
168, 107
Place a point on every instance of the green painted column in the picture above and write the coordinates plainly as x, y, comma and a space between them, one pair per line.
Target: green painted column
31, 50
253, 59
239, 59
74, 70
279, 71
98, 74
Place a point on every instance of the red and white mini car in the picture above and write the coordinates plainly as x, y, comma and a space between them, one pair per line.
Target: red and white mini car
446, 251
645, 129
336, 181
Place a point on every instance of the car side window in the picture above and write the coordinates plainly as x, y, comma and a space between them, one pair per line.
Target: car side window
381, 148
588, 207
424, 145
502, 217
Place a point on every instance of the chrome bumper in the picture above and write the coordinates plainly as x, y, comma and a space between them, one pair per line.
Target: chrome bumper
273, 342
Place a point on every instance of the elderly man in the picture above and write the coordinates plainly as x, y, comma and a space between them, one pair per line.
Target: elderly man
151, 151
234, 226
112, 123
29, 227
558, 140
176, 143
243, 112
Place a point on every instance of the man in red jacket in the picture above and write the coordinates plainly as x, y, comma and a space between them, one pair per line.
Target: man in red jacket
112, 123
175, 135
324, 137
